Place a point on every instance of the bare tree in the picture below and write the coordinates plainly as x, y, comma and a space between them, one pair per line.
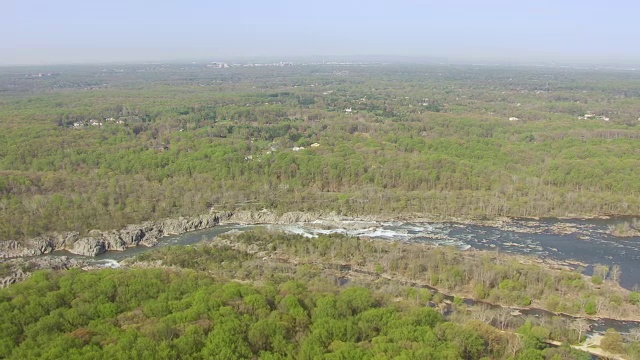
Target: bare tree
581, 326
601, 270
503, 315
514, 344
616, 273
601, 304
484, 313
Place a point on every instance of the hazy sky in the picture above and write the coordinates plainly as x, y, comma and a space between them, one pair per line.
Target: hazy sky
73, 31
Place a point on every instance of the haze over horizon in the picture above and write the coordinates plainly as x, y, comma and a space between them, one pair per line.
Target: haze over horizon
38, 32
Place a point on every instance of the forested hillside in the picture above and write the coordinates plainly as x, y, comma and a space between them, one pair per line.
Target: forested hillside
100, 147
159, 314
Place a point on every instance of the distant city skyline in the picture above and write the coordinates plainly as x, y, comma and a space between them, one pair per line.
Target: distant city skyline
38, 32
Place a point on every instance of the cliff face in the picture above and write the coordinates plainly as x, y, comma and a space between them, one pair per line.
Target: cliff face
147, 234
268, 217
36, 246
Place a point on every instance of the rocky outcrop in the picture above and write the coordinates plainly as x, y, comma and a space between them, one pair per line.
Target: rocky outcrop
37, 246
98, 241
269, 217
16, 270
149, 233
146, 234
89, 246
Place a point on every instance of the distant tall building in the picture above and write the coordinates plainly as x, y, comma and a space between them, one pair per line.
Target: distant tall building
218, 65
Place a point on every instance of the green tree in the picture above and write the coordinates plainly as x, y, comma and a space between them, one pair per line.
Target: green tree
612, 342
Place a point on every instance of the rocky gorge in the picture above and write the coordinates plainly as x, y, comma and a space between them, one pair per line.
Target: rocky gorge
579, 242
145, 234
148, 233
18, 259
99, 241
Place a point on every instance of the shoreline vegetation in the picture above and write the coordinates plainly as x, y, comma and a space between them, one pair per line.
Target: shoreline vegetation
481, 292
390, 275
497, 278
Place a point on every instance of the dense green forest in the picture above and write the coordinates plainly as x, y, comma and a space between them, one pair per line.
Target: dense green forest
88, 147
257, 295
161, 314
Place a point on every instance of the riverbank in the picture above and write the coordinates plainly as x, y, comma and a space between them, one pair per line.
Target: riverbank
360, 262
516, 281
482, 277
555, 244
149, 233
99, 241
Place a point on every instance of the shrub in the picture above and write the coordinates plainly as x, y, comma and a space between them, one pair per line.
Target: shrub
612, 342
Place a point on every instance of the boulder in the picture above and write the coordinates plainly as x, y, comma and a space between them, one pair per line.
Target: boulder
89, 246
131, 235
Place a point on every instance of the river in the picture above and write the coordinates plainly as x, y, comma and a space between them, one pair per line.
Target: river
582, 240
574, 240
